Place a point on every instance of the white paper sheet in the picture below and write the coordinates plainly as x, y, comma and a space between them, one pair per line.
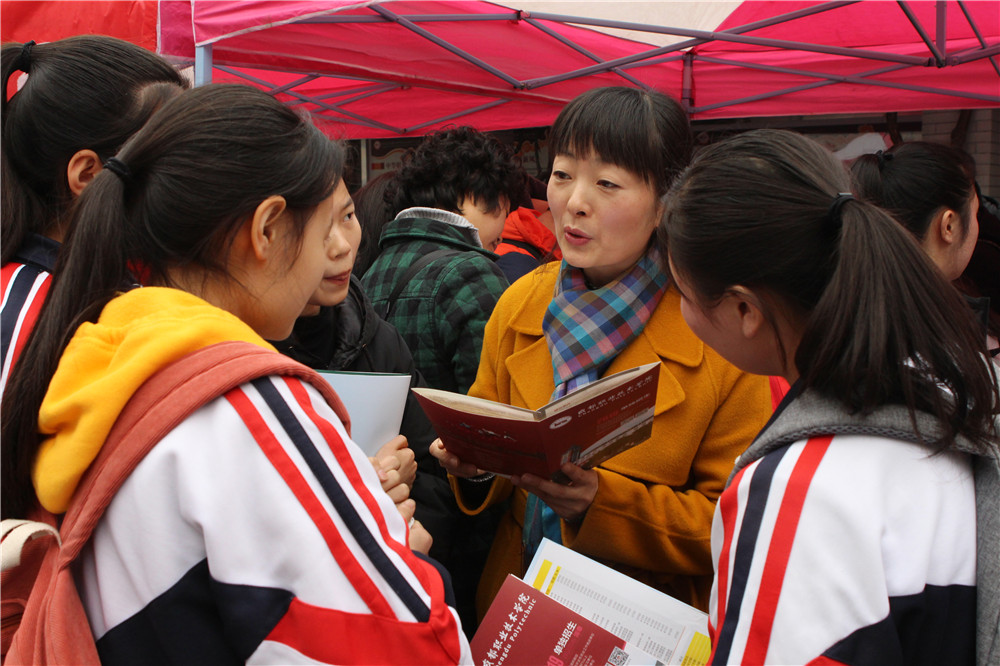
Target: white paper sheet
375, 402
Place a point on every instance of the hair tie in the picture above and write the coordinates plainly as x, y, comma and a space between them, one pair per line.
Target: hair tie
120, 169
833, 213
883, 157
23, 61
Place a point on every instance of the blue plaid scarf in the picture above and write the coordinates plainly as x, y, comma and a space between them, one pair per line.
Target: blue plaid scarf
585, 330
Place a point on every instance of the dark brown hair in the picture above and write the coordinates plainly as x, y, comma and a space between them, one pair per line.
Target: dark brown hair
193, 175
914, 180
643, 131
373, 206
453, 163
86, 92
881, 326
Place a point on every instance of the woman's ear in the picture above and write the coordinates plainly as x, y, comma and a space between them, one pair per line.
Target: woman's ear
747, 310
81, 169
948, 226
944, 234
266, 226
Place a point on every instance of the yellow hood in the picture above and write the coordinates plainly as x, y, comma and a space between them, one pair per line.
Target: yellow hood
105, 363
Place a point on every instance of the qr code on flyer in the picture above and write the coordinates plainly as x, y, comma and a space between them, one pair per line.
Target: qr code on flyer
619, 657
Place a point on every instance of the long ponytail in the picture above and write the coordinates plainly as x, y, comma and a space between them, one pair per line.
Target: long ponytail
881, 326
90, 272
175, 196
889, 329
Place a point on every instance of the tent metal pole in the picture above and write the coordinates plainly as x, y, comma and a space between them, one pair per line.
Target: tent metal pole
579, 49
687, 98
723, 37
938, 58
656, 61
942, 28
687, 32
774, 20
727, 36
979, 35
458, 114
293, 84
979, 54
830, 79
202, 65
415, 18
362, 120
373, 89
482, 64
358, 96
861, 79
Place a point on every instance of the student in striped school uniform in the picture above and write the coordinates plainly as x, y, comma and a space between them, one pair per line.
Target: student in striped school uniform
255, 530
861, 524
78, 100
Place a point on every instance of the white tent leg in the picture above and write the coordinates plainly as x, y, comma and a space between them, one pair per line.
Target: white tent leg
202, 65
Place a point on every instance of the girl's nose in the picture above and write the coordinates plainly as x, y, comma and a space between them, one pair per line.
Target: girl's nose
337, 244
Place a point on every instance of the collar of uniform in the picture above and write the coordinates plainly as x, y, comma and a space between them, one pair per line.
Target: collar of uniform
40, 251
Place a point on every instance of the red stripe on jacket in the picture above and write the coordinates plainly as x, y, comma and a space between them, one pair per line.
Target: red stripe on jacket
728, 507
780, 548
28, 316
428, 576
368, 639
279, 458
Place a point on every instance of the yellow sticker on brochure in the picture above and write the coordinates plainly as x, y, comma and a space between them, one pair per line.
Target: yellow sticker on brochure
698, 651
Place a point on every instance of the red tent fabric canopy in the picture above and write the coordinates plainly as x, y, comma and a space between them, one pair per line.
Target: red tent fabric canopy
895, 57
403, 68
400, 68
133, 21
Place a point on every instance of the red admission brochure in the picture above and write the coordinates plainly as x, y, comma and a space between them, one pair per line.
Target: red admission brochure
586, 427
524, 626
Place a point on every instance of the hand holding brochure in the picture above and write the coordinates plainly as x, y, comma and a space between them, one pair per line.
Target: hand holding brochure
587, 426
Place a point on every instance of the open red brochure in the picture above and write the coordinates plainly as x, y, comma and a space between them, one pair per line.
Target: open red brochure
587, 426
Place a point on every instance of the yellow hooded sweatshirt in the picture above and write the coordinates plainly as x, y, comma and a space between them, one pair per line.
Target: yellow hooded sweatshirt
137, 334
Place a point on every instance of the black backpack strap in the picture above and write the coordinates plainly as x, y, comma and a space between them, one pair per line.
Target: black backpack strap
411, 273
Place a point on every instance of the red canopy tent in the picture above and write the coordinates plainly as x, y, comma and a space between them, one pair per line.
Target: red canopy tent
403, 68
136, 22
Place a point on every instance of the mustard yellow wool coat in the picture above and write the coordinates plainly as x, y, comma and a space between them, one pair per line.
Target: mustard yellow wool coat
652, 516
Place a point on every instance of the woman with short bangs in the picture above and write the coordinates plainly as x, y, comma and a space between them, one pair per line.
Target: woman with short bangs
609, 306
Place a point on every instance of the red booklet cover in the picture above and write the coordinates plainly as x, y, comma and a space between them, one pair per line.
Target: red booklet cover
525, 627
586, 427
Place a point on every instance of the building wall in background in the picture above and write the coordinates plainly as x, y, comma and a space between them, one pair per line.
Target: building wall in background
982, 141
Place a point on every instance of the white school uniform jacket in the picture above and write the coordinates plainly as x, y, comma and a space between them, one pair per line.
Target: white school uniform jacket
24, 283
255, 531
855, 547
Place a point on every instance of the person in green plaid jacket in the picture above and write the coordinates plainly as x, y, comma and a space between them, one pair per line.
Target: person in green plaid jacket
453, 195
